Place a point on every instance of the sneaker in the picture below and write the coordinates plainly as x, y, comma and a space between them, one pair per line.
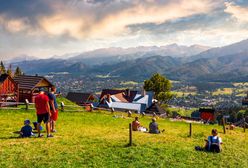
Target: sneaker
39, 136
49, 136
163, 130
53, 130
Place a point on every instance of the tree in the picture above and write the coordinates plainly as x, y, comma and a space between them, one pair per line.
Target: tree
18, 71
9, 71
2, 68
161, 87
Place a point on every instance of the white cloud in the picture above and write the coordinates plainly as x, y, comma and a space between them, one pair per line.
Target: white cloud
99, 24
238, 12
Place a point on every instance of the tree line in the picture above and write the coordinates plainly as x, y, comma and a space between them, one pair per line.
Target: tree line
3, 70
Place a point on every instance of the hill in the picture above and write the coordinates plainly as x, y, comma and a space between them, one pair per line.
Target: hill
235, 48
226, 64
97, 139
224, 68
140, 68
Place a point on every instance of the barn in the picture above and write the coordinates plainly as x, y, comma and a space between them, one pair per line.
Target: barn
29, 86
207, 114
8, 89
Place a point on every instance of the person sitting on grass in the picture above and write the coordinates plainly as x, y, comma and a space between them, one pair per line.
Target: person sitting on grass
26, 130
213, 143
153, 127
136, 125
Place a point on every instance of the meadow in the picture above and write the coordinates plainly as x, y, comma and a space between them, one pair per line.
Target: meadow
97, 139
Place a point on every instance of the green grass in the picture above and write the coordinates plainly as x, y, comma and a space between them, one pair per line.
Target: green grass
182, 94
129, 83
182, 111
96, 139
224, 91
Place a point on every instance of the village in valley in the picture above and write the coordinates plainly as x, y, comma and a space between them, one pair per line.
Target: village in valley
187, 99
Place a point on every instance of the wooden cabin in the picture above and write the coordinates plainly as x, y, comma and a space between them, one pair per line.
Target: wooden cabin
207, 114
8, 89
29, 86
81, 98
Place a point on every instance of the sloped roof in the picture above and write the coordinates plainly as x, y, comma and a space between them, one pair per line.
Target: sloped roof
29, 82
78, 97
155, 108
121, 95
3, 77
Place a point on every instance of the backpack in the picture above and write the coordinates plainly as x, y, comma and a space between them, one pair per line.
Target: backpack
214, 147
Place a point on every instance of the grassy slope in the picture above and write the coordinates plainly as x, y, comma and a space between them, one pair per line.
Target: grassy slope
99, 140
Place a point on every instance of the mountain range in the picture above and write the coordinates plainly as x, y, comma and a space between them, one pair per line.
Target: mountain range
190, 63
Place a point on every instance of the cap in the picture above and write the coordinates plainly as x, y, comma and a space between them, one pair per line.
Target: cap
41, 89
27, 122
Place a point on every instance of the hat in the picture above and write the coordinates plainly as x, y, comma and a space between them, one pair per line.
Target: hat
27, 122
41, 89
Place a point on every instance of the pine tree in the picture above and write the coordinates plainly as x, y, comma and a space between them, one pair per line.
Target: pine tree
9, 71
2, 68
18, 71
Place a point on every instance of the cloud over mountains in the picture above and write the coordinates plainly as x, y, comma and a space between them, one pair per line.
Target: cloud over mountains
45, 27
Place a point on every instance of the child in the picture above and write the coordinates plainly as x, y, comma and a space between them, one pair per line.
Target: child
26, 130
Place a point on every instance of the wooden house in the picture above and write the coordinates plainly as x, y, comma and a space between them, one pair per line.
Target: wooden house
207, 114
81, 98
126, 100
245, 101
29, 86
8, 89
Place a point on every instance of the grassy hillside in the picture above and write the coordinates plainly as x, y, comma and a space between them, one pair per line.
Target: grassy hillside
96, 139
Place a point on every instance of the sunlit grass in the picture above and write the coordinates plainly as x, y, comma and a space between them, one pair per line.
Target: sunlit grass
182, 94
97, 139
129, 83
224, 91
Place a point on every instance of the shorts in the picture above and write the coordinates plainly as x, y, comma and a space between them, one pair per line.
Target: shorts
54, 115
43, 117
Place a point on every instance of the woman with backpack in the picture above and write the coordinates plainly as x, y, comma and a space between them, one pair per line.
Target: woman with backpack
213, 143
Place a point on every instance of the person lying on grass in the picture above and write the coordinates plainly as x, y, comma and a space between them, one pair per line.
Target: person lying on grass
136, 125
213, 143
26, 130
153, 127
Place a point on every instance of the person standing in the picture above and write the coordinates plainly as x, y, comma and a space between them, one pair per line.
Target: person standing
53, 108
43, 111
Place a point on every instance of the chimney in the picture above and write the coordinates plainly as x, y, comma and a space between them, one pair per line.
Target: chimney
108, 98
143, 92
128, 92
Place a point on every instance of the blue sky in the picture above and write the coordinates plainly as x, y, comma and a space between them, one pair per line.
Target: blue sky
44, 28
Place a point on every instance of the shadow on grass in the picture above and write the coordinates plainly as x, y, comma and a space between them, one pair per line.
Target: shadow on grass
130, 145
5, 138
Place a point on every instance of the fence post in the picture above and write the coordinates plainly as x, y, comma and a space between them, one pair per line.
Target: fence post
190, 129
244, 124
130, 135
224, 125
62, 106
26, 103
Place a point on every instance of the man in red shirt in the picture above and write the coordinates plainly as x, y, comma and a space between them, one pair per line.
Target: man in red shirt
43, 111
